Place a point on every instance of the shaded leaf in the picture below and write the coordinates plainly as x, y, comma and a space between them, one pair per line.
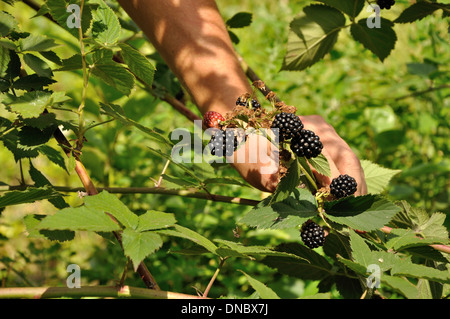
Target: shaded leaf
263, 291
138, 64
380, 41
312, 35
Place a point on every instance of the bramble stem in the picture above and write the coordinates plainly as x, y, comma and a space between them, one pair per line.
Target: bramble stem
95, 291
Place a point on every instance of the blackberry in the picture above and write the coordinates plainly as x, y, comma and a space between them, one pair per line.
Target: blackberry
223, 143
313, 236
255, 104
241, 101
306, 144
385, 4
289, 125
343, 186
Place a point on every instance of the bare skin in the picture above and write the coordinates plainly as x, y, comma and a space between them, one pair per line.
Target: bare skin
192, 38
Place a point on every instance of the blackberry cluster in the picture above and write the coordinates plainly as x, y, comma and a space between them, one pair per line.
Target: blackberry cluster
223, 143
244, 102
385, 4
306, 144
343, 186
289, 125
313, 236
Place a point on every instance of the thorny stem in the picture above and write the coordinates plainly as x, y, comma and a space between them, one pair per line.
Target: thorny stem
81, 123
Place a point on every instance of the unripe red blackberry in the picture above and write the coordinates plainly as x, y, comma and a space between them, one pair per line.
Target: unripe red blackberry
343, 186
289, 125
313, 236
306, 144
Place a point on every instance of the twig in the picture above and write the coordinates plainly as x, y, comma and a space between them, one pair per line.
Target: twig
95, 291
192, 193
213, 278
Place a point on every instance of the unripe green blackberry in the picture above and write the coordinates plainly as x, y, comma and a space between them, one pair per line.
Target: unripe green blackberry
313, 236
223, 143
343, 186
306, 144
289, 125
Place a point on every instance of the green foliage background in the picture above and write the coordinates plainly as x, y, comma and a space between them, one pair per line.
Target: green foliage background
388, 112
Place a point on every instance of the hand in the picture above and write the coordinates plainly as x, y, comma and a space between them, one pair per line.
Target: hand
262, 171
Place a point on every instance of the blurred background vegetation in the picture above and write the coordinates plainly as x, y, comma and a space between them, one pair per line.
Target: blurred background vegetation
394, 113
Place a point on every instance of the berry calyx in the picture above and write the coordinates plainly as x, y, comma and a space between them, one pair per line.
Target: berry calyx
306, 144
385, 4
223, 143
313, 236
343, 186
289, 125
212, 119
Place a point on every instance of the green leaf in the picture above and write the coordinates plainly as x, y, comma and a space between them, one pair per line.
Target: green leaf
380, 41
72, 63
361, 253
32, 82
79, 218
309, 265
349, 7
312, 35
41, 181
30, 195
105, 25
321, 165
377, 177
117, 112
138, 245
37, 42
32, 221
287, 183
30, 104
400, 284
420, 10
366, 213
263, 291
239, 20
7, 23
400, 239
413, 270
153, 219
289, 213
247, 251
109, 203
183, 232
115, 75
37, 65
58, 11
4, 61
138, 64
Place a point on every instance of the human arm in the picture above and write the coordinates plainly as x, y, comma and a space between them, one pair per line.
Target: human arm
192, 38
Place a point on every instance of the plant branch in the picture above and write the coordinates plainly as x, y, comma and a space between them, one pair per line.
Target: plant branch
94, 291
192, 193
213, 278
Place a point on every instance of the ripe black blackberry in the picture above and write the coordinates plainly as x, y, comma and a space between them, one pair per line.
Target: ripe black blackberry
255, 104
385, 4
223, 143
343, 186
289, 125
306, 144
313, 236
241, 101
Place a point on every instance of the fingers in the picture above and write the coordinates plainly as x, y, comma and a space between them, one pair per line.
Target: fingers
341, 158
